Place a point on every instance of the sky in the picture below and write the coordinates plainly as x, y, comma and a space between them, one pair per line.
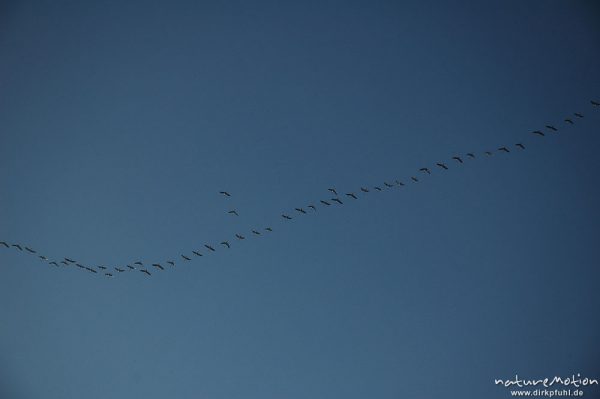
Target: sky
120, 122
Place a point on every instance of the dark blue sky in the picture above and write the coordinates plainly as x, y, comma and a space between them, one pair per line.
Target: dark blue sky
120, 123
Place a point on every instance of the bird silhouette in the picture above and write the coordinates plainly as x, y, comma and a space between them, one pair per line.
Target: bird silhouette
314, 208
577, 114
69, 260
138, 263
325, 203
414, 179
377, 188
158, 266
233, 212
425, 170
225, 193
569, 121
503, 149
209, 247
119, 269
42, 257
79, 265
283, 215
18, 247
64, 262
539, 133
595, 103
364, 190
170, 262
268, 229
108, 274
146, 272
459, 159
300, 210
185, 257
256, 232
91, 269
488, 153
240, 237
225, 243
551, 128
521, 146
29, 250
102, 267
470, 155
442, 165
339, 201
131, 267
352, 195
399, 183
333, 191
389, 185
53, 263
5, 244
196, 253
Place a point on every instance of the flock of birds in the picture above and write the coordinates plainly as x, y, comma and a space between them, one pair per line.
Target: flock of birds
334, 199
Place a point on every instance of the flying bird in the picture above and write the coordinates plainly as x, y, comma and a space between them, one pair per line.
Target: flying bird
339, 201
225, 193
225, 243
108, 275
138, 263
577, 114
470, 155
364, 190
425, 170
459, 159
414, 179
399, 183
268, 229
69, 260
5, 244
503, 149
64, 263
325, 203
91, 269
488, 153
119, 269
595, 103
569, 121
209, 247
521, 146
196, 253
256, 232
387, 184
185, 257
442, 165
146, 271
102, 267
352, 195
333, 191
314, 208
233, 212
158, 266
240, 237
30, 250
131, 267
551, 128
283, 215
42, 257
300, 210
377, 188
79, 265
170, 262
539, 133
18, 247
53, 263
